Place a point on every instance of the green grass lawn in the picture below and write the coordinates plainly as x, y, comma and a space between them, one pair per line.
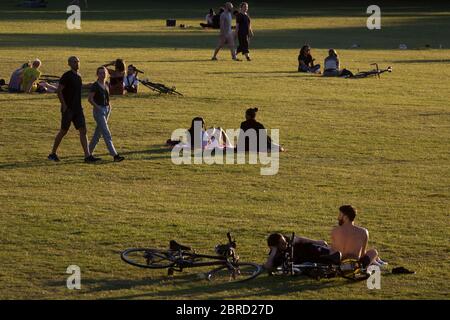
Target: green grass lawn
381, 145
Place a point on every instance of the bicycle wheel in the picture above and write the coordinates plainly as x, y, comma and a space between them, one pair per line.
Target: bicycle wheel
241, 271
148, 258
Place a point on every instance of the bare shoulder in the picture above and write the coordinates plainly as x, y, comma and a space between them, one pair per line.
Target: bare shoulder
335, 230
362, 231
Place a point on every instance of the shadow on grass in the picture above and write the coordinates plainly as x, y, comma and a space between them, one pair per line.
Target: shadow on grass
179, 9
423, 61
261, 286
163, 153
255, 72
415, 33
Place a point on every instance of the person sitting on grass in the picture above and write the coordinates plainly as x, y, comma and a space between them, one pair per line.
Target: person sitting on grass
209, 19
306, 61
216, 19
250, 123
117, 74
332, 66
304, 249
15, 82
198, 137
31, 83
352, 240
130, 80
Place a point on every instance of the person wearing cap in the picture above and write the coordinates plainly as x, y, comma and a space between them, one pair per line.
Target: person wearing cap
226, 36
250, 123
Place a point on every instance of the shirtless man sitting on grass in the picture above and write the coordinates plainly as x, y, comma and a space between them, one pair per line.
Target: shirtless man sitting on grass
352, 240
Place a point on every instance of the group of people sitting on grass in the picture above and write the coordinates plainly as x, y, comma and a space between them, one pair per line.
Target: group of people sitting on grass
213, 138
348, 241
212, 20
332, 66
27, 79
122, 81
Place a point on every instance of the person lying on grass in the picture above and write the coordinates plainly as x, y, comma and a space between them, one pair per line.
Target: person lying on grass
306, 61
352, 240
198, 137
332, 66
304, 249
15, 82
31, 83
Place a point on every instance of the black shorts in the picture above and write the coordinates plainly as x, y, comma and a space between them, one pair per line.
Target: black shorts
75, 116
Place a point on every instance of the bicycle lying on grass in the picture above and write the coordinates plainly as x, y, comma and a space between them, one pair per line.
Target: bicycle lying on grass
374, 72
330, 266
227, 267
159, 87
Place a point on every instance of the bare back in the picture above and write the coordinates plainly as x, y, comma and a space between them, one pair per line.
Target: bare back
350, 240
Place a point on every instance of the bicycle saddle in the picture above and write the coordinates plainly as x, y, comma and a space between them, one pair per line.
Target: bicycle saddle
334, 258
173, 245
223, 249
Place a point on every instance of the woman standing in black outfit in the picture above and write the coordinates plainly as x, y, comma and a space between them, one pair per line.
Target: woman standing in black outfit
99, 99
243, 30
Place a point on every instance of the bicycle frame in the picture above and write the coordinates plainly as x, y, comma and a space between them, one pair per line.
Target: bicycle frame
228, 259
323, 270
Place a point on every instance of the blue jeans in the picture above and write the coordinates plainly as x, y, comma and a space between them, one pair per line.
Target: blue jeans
314, 69
101, 116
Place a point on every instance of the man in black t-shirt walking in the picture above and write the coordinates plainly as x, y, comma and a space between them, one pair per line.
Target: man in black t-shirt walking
69, 94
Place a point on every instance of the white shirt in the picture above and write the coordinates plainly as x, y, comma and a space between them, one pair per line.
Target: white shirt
130, 81
331, 63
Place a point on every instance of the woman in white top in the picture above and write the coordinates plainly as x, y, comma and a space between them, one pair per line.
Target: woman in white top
130, 80
198, 137
332, 66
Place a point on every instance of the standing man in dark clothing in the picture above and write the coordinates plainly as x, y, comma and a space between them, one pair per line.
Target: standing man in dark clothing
69, 94
243, 30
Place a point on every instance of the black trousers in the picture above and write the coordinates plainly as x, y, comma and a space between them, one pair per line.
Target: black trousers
243, 44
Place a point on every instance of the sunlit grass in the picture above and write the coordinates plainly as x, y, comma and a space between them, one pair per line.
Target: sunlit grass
381, 145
